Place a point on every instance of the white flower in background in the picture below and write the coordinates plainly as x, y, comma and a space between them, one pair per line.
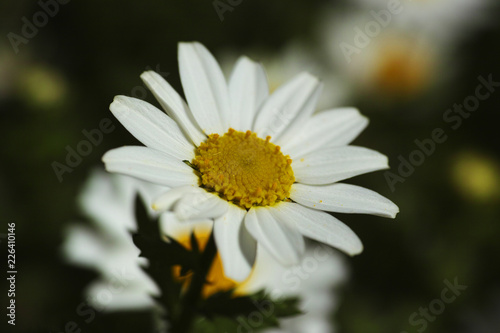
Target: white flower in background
107, 246
284, 65
108, 200
397, 63
445, 18
262, 166
314, 279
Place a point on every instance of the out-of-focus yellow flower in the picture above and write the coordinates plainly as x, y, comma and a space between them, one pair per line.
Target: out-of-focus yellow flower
42, 86
476, 176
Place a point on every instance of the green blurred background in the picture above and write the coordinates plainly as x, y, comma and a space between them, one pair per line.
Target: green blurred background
63, 80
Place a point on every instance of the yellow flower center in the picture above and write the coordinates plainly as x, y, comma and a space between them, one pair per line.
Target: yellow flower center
244, 169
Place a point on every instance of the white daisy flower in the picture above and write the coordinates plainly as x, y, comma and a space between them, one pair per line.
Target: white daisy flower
264, 167
108, 200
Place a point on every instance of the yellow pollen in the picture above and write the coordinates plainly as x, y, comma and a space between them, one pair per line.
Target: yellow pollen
244, 169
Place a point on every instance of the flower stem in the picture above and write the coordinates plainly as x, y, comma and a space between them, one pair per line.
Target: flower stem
189, 303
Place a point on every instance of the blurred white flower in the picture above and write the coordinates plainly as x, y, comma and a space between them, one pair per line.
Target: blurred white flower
315, 280
108, 248
389, 63
444, 18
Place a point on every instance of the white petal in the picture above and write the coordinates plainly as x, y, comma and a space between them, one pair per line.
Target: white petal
205, 88
333, 128
150, 165
200, 205
174, 105
330, 165
168, 199
343, 198
305, 114
280, 238
82, 246
119, 296
321, 226
170, 225
152, 127
236, 246
248, 88
106, 200
298, 95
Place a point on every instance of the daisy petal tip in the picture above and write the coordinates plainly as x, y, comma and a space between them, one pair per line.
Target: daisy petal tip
356, 111
238, 275
384, 163
357, 251
245, 59
188, 44
147, 75
310, 79
310, 76
393, 209
355, 248
120, 99
117, 106
106, 158
114, 103
395, 212
364, 119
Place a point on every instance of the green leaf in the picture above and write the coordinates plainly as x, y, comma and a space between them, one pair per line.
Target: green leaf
162, 255
257, 311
